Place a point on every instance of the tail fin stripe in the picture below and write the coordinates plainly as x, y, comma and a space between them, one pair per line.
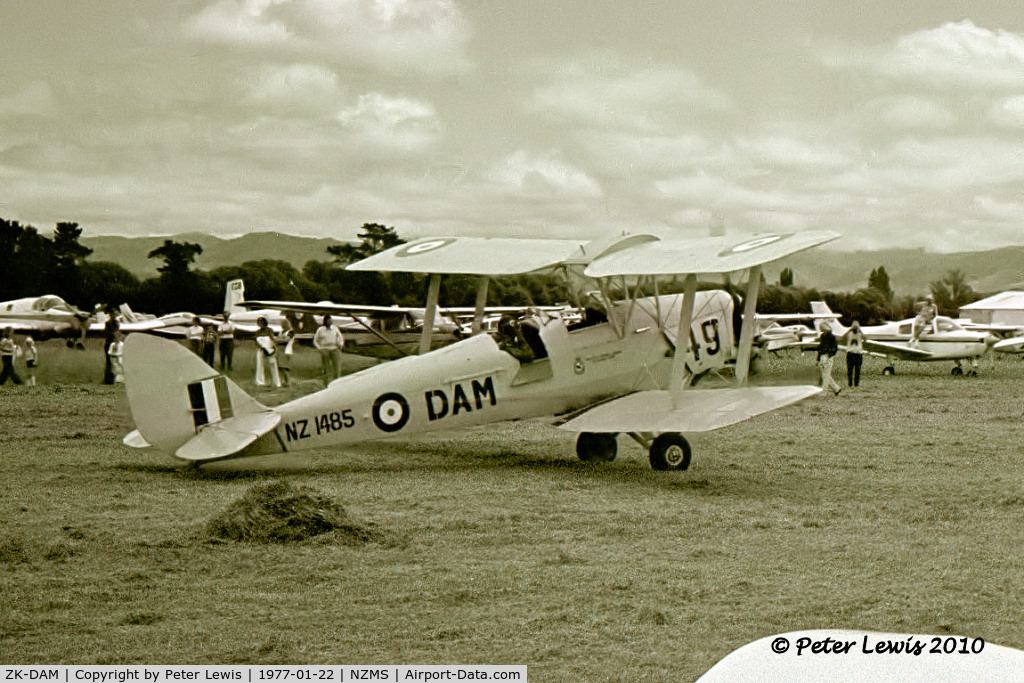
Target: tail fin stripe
220, 385
197, 401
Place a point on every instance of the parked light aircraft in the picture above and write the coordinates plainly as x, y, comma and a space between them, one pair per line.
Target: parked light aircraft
942, 340
627, 371
43, 317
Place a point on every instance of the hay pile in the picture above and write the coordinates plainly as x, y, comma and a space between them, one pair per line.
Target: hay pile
281, 513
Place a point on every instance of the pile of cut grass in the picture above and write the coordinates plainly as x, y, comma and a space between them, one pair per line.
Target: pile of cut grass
281, 513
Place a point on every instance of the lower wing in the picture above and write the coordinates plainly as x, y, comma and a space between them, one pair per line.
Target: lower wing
688, 411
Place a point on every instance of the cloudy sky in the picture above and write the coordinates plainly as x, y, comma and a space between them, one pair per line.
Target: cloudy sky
896, 124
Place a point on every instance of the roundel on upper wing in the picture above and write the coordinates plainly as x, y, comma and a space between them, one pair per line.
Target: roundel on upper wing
417, 248
749, 245
390, 412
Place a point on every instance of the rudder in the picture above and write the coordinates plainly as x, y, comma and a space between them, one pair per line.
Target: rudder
173, 394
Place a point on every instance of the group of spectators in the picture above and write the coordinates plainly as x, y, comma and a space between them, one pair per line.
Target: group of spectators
10, 350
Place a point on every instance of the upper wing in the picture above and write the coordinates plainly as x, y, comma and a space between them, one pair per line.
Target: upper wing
900, 351
707, 255
697, 410
491, 255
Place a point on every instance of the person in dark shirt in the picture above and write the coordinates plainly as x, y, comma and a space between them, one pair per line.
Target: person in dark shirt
828, 347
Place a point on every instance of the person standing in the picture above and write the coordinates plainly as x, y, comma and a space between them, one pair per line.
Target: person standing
116, 353
194, 336
226, 341
266, 355
329, 340
854, 354
828, 347
31, 354
7, 351
288, 337
925, 315
209, 343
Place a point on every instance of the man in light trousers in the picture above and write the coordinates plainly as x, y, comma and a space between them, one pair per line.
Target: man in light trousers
329, 341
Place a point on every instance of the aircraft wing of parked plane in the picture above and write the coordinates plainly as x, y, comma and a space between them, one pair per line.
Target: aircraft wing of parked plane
629, 370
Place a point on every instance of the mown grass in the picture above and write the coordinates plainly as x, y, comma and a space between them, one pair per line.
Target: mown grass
898, 506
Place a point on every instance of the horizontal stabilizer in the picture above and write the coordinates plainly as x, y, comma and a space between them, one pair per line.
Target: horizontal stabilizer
898, 350
135, 440
688, 411
227, 437
1012, 345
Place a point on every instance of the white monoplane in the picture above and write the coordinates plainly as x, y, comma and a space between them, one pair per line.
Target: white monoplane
944, 339
627, 370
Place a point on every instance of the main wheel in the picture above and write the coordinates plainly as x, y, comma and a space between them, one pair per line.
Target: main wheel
670, 452
957, 370
888, 370
595, 447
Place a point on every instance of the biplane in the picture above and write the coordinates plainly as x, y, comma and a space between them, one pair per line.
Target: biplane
626, 366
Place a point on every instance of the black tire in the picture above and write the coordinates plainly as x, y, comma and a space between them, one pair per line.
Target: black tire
670, 452
888, 370
596, 447
956, 371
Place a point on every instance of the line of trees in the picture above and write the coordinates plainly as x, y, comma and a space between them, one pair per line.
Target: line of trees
33, 264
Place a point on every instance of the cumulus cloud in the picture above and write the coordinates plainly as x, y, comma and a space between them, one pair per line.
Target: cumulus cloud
396, 123
1008, 112
611, 94
294, 88
956, 53
35, 99
421, 35
537, 174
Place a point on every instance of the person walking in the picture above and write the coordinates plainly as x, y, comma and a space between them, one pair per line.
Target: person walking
30, 354
7, 351
828, 347
854, 354
266, 355
329, 340
226, 341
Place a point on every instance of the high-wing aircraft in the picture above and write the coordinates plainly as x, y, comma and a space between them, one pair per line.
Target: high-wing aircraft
943, 340
627, 370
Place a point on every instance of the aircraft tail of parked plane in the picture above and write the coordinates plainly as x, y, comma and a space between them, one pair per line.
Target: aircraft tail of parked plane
234, 295
821, 309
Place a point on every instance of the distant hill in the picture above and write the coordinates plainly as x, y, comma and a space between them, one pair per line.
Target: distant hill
910, 270
131, 252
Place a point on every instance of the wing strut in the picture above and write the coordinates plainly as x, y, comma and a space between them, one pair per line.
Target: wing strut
683, 334
429, 315
481, 301
747, 333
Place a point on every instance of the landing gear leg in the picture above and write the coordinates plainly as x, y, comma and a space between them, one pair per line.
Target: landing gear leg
596, 447
670, 452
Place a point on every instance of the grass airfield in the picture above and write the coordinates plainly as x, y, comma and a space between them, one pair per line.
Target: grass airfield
898, 506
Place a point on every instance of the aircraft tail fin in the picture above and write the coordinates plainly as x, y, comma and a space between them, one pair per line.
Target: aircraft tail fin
233, 296
820, 308
183, 407
128, 314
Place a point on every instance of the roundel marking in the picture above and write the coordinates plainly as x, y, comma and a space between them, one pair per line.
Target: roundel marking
390, 412
753, 244
424, 247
